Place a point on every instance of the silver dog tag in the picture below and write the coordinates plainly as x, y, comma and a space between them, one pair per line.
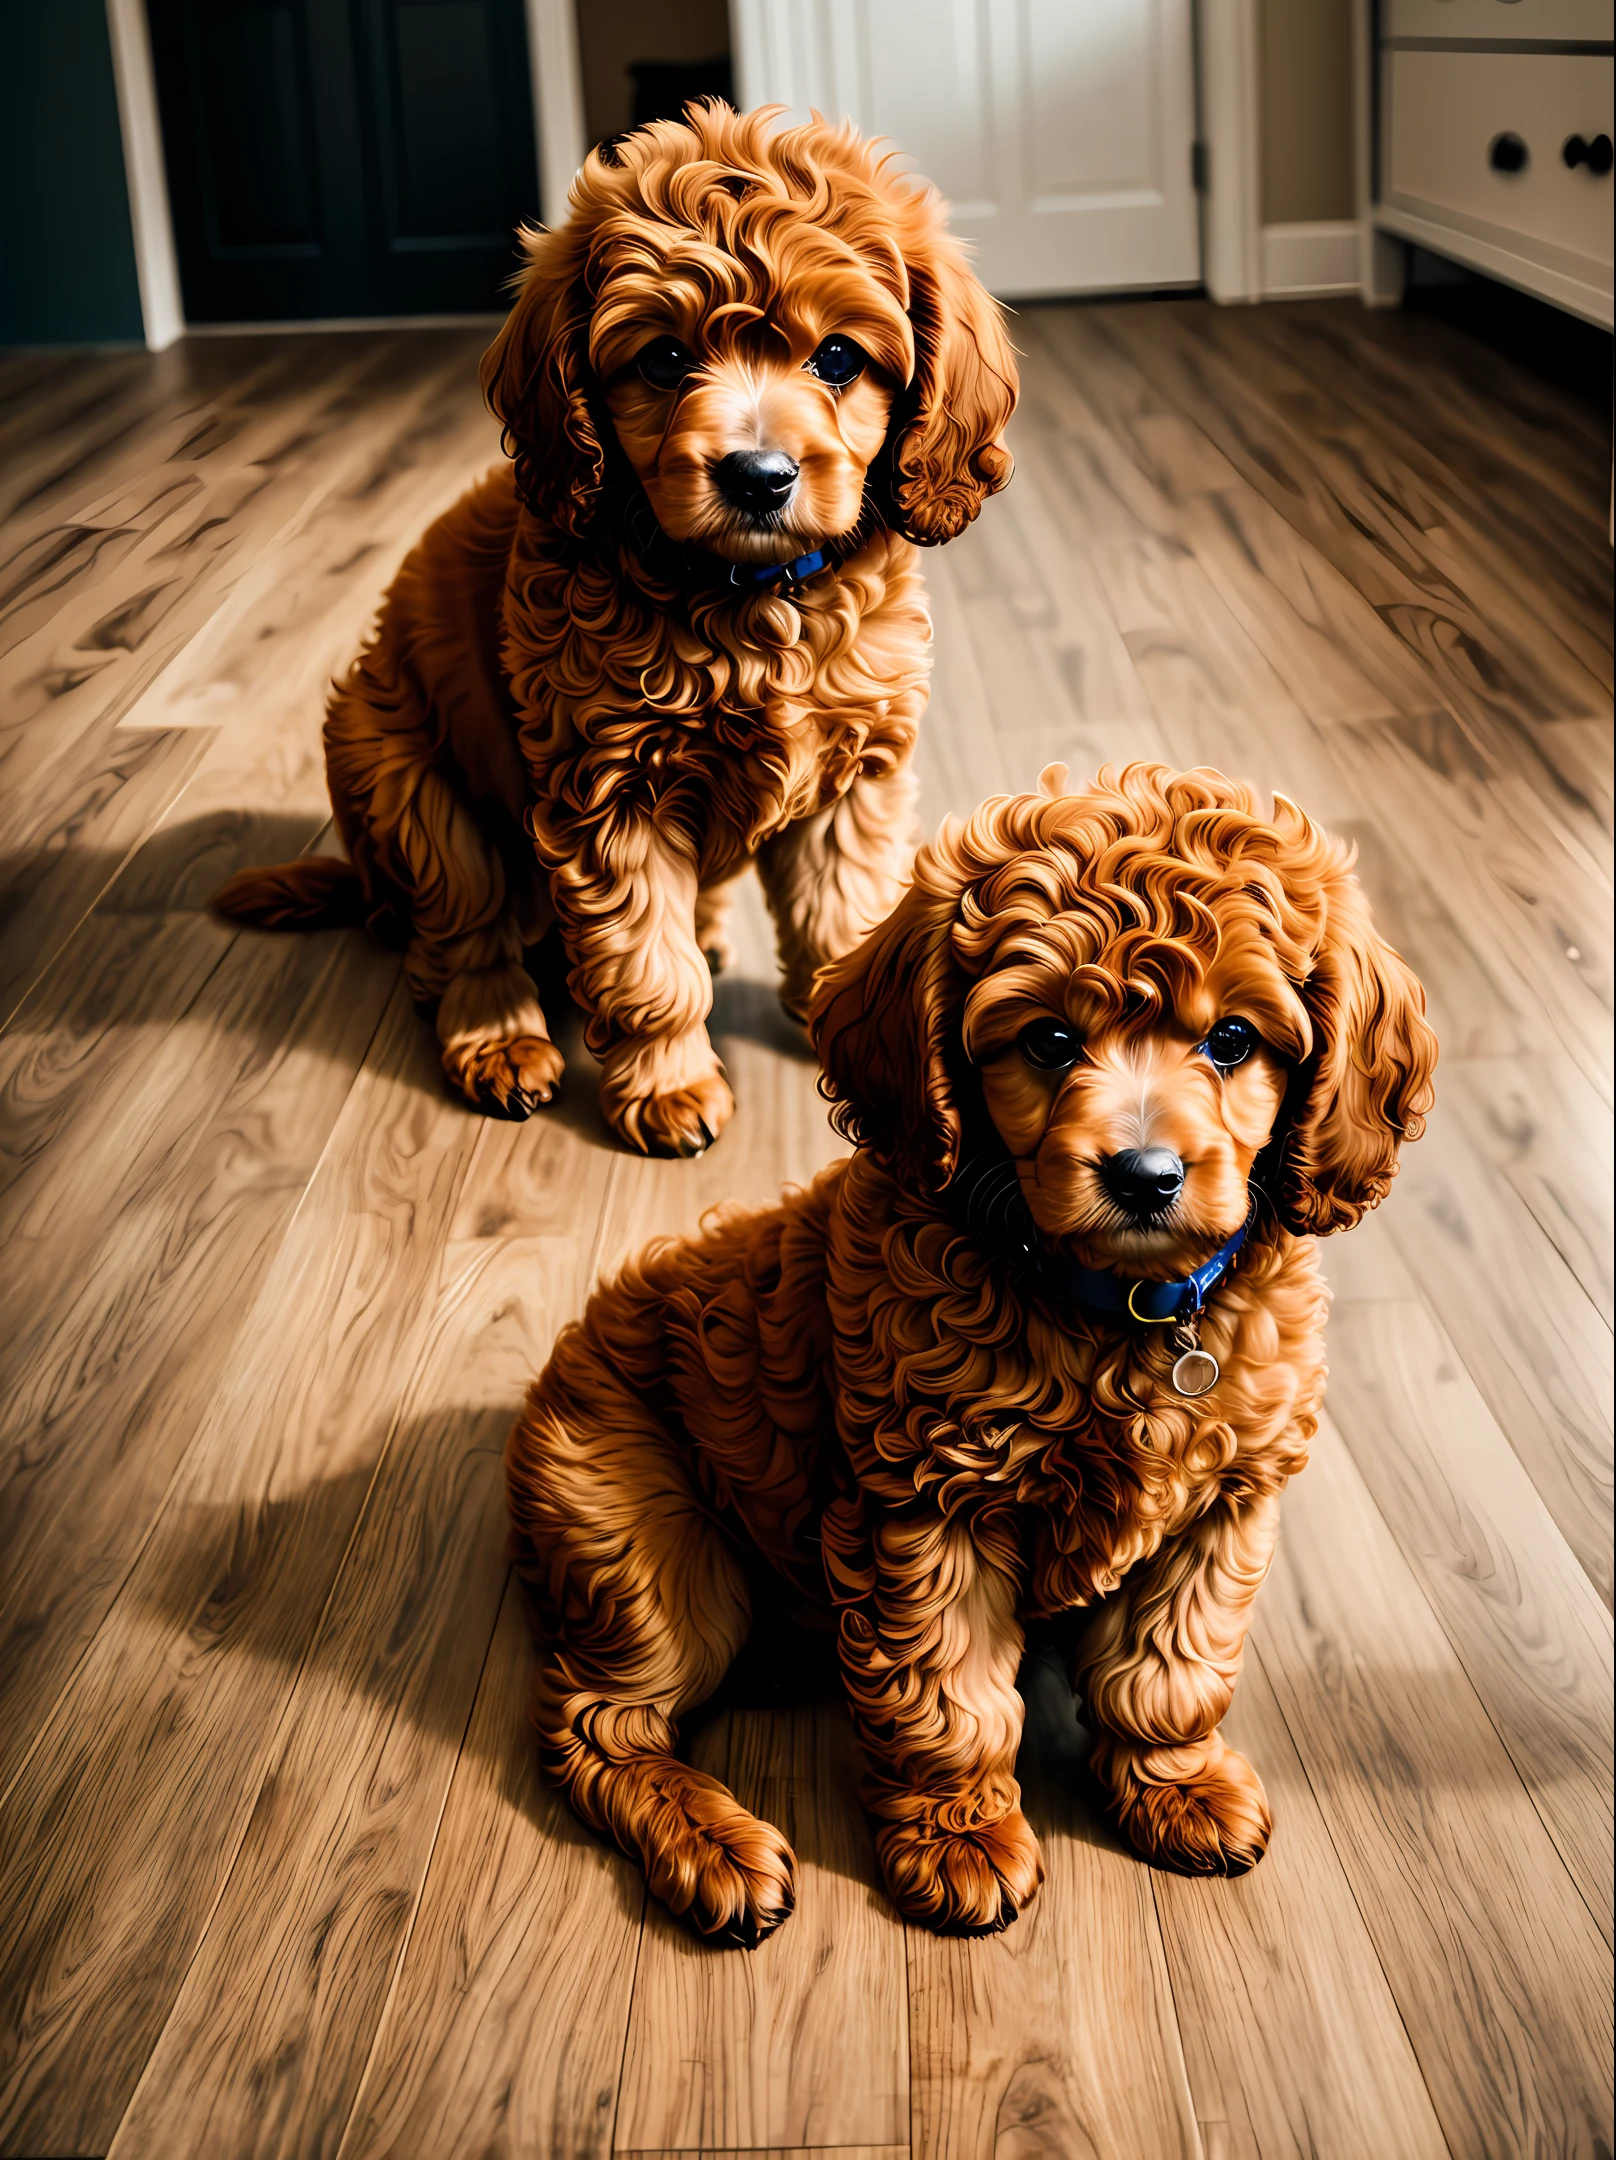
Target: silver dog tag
1196, 1372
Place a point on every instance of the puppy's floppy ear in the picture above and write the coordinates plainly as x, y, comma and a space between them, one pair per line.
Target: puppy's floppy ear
535, 376
1367, 1086
882, 1021
947, 453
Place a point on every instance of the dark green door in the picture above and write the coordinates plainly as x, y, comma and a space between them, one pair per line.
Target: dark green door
345, 157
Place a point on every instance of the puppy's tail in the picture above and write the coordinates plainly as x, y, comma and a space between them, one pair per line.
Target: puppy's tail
313, 893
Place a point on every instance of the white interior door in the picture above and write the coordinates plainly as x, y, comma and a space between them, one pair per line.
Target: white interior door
1061, 131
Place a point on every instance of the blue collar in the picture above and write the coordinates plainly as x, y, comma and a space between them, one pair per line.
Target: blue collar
790, 573
1106, 1292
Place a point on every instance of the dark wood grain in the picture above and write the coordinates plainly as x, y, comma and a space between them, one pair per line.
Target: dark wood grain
504, 2032
268, 2039
1286, 2016
750, 2035
1531, 1634
121, 1828
1500, 1973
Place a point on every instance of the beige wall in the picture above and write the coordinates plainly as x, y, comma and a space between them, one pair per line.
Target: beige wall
1305, 63
611, 33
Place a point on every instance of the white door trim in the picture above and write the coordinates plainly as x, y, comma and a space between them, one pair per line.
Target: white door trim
558, 117
1231, 233
558, 101
156, 264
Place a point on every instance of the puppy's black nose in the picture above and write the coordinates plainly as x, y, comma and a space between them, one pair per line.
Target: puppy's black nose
756, 480
1143, 1180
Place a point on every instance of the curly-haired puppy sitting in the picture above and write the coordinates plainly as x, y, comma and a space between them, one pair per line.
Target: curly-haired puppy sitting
684, 628
1052, 1338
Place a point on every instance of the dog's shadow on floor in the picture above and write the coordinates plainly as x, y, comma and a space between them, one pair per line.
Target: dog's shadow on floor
248, 1585
138, 911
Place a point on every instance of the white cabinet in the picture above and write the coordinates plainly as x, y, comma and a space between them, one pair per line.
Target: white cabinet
1495, 123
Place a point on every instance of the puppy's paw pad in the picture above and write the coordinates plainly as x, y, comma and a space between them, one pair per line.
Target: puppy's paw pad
962, 1882
508, 1079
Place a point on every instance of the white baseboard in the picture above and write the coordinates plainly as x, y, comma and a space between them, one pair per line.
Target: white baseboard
1300, 261
156, 264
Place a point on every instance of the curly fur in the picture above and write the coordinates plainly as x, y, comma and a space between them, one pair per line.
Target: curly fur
568, 714
854, 1408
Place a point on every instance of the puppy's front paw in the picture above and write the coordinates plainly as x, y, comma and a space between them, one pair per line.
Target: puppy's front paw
666, 1094
685, 1121
1199, 1809
509, 1078
970, 1881
730, 1876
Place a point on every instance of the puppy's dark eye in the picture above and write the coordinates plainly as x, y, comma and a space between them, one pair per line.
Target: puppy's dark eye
838, 362
1230, 1043
665, 363
1050, 1045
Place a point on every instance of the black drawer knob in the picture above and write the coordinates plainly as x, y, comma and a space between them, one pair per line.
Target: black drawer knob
1507, 153
1596, 155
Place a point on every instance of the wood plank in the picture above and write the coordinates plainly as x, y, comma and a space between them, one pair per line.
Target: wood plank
504, 2031
1326, 644
1529, 1338
960, 760
1341, 497
774, 2152
1560, 636
297, 616
1523, 1619
1580, 752
121, 1828
93, 790
801, 2042
134, 1237
1501, 1977
1484, 477
1477, 1007
1333, 652
103, 426
270, 2034
1553, 432
1538, 1121
1046, 663
1287, 2020
1058, 2036
1217, 700
1529, 889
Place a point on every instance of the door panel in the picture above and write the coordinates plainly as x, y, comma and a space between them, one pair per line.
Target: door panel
1061, 133
345, 157
261, 188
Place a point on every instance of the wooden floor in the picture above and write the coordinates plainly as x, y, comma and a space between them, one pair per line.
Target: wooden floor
276, 1871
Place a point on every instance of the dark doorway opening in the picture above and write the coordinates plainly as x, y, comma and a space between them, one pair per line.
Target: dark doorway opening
332, 158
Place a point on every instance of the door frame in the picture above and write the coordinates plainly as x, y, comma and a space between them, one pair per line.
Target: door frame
558, 115
1227, 90
1226, 97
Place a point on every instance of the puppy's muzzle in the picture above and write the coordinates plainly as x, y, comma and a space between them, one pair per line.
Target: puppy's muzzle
756, 481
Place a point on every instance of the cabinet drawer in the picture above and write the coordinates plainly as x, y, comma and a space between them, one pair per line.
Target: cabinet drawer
1440, 114
1517, 19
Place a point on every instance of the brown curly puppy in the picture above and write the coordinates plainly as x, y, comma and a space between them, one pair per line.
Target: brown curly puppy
1053, 1338
684, 628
